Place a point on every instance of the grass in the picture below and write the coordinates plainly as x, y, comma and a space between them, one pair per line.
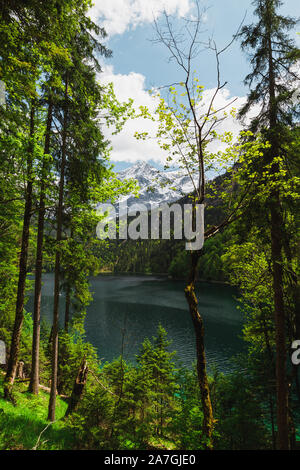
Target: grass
21, 425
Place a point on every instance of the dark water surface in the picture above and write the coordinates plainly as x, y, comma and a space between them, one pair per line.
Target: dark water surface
139, 303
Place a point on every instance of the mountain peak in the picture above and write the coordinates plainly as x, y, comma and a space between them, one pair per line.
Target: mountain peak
141, 163
139, 169
156, 187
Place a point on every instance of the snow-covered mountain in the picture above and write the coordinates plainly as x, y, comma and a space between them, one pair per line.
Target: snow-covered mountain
156, 187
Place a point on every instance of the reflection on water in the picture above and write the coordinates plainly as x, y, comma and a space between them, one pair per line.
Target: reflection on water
142, 302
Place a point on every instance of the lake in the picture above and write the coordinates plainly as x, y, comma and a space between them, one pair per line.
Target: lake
137, 304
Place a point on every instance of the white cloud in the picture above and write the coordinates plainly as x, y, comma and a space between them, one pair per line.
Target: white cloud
223, 102
126, 147
118, 16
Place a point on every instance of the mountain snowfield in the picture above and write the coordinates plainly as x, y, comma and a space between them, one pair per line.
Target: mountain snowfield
156, 187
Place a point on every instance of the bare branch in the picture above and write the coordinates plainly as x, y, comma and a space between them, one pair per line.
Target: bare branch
39, 438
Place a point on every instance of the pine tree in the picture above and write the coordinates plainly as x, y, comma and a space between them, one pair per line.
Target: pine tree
25, 59
272, 60
34, 379
157, 371
81, 155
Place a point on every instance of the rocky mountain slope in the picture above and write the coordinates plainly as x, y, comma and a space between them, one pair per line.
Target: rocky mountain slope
156, 187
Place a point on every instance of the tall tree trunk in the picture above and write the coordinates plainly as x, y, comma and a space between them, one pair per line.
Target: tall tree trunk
208, 420
279, 313
16, 335
34, 380
67, 309
68, 300
54, 361
294, 319
277, 228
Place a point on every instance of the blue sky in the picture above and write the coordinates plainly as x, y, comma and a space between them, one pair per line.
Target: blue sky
134, 50
138, 64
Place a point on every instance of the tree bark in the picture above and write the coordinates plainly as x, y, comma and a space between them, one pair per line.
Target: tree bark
78, 388
67, 309
20, 370
16, 335
208, 420
34, 380
279, 314
54, 360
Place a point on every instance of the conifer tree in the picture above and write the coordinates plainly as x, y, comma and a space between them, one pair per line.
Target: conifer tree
273, 82
81, 157
157, 372
29, 46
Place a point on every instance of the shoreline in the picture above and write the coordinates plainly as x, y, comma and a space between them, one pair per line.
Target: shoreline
166, 275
